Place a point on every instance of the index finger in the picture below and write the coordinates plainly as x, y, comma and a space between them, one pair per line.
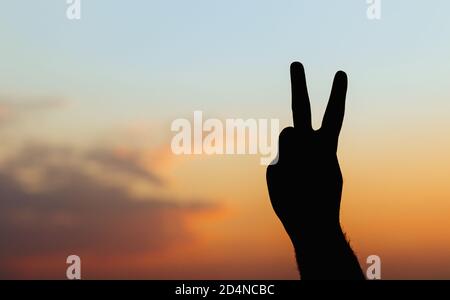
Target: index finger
301, 108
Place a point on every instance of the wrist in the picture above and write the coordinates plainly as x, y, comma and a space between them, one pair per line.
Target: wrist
318, 237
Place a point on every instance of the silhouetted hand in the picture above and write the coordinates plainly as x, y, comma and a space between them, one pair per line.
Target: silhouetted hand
305, 185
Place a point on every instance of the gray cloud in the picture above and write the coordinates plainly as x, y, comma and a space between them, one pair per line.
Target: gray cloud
127, 164
82, 215
51, 159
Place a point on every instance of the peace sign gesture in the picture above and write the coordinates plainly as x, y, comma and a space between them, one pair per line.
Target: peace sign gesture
305, 184
301, 108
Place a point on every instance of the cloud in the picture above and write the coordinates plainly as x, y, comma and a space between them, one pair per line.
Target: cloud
13, 107
74, 212
46, 160
123, 161
5, 112
30, 103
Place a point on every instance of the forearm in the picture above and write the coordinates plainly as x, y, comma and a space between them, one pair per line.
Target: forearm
326, 254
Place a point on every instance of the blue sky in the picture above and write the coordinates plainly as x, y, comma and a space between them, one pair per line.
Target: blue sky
160, 60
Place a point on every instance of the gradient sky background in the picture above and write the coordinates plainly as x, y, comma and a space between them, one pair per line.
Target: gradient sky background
85, 113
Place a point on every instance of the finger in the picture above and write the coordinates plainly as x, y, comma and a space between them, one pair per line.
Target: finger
334, 114
286, 147
301, 108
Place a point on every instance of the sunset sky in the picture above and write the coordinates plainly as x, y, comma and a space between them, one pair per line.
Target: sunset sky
86, 106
